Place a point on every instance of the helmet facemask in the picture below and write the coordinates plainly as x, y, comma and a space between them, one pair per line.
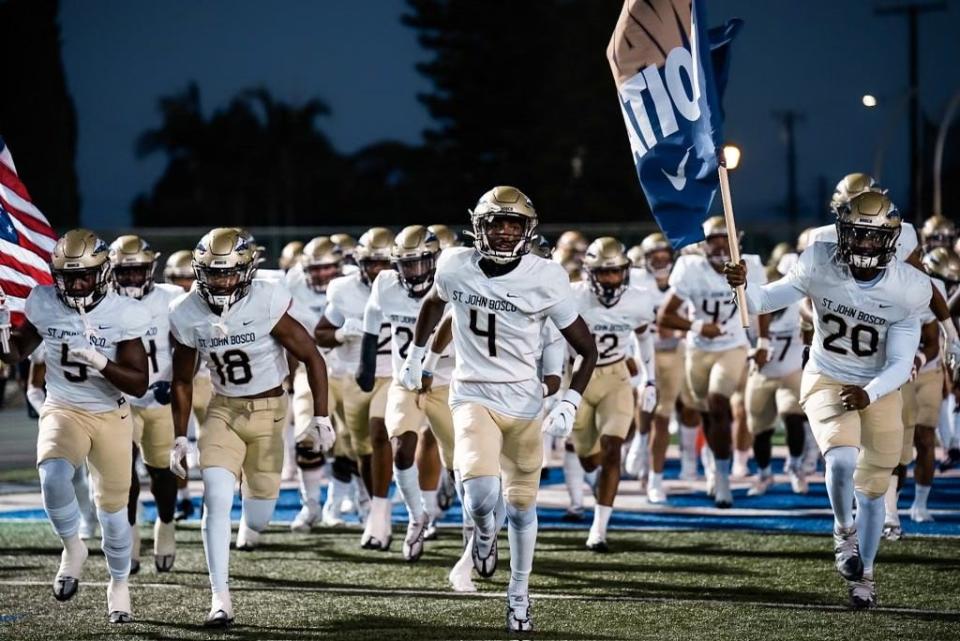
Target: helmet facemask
717, 250
319, 275
223, 287
416, 274
370, 268
82, 288
659, 263
609, 283
866, 247
502, 237
133, 280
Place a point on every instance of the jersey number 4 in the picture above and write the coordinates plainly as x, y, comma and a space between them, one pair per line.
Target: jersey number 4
490, 332
715, 311
233, 366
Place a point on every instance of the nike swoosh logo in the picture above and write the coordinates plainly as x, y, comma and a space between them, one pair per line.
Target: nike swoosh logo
124, 416
679, 181
278, 420
104, 326
885, 306
513, 296
245, 323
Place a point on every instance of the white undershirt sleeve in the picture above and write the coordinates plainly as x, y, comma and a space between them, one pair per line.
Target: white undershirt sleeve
903, 338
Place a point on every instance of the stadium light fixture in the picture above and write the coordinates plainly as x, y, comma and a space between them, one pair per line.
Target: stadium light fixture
869, 100
731, 154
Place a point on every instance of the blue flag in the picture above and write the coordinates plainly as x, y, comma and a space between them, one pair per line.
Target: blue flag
670, 94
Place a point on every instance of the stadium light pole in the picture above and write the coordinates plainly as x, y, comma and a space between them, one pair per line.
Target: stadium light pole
948, 117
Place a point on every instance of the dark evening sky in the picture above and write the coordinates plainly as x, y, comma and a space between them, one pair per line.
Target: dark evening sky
816, 56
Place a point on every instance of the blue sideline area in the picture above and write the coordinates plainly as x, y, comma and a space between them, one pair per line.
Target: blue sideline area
690, 511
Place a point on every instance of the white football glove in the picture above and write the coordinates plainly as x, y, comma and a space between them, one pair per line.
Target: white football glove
411, 373
36, 397
5, 325
318, 436
352, 328
559, 421
88, 355
181, 446
648, 398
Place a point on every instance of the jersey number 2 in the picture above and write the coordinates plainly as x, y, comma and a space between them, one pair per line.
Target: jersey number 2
856, 337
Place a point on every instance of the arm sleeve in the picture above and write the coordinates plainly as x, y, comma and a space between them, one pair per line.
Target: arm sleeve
554, 351
781, 293
332, 311
645, 355
372, 312
903, 338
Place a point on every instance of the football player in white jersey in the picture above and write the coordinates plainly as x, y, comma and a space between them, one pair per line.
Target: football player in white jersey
290, 255
774, 390
614, 313
133, 262
716, 356
178, 271
239, 327
500, 297
654, 263
867, 329
319, 263
347, 245
342, 326
95, 356
395, 299
569, 253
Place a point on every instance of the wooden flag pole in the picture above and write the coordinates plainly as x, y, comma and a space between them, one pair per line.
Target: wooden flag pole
733, 240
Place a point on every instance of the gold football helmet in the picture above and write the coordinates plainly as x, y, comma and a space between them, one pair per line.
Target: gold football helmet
867, 231
716, 245
132, 265
608, 269
503, 223
851, 186
224, 263
803, 240
347, 245
373, 253
656, 255
942, 263
779, 251
569, 252
322, 261
937, 231
178, 269
445, 236
80, 265
289, 254
540, 246
414, 255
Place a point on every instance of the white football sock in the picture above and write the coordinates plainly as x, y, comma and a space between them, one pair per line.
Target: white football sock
380, 508
921, 494
890, 503
841, 463
218, 484
722, 467
945, 423
794, 463
257, 512
337, 491
547, 446
688, 442
522, 535
59, 497
81, 487
656, 480
766, 472
643, 453
573, 478
481, 495
458, 485
183, 494
408, 483
591, 479
601, 517
870, 514
310, 482
116, 543
741, 458
430, 504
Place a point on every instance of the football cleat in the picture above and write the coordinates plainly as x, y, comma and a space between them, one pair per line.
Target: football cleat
221, 612
950, 460
846, 551
184, 511
304, 520
447, 492
573, 514
485, 565
723, 496
164, 545
596, 544
920, 514
519, 614
118, 602
330, 516
67, 581
760, 485
413, 541
656, 494
688, 469
863, 593
460, 576
892, 532
247, 539
432, 532
798, 482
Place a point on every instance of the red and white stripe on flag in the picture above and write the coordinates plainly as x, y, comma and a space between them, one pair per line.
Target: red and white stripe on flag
26, 239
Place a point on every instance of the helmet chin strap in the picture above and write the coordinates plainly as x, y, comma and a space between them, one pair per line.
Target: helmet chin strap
87, 327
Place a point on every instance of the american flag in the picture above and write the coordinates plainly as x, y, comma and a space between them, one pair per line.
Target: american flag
26, 239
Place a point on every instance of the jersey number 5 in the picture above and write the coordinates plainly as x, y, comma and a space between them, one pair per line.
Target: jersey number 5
490, 332
65, 362
235, 367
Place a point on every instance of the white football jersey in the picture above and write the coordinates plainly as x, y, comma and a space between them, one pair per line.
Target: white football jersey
906, 243
347, 298
497, 323
74, 385
711, 300
307, 309
389, 302
157, 343
786, 342
613, 327
668, 340
243, 358
850, 318
928, 317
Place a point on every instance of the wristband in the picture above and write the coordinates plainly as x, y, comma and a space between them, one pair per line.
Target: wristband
573, 397
696, 327
546, 390
923, 359
430, 362
763, 343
